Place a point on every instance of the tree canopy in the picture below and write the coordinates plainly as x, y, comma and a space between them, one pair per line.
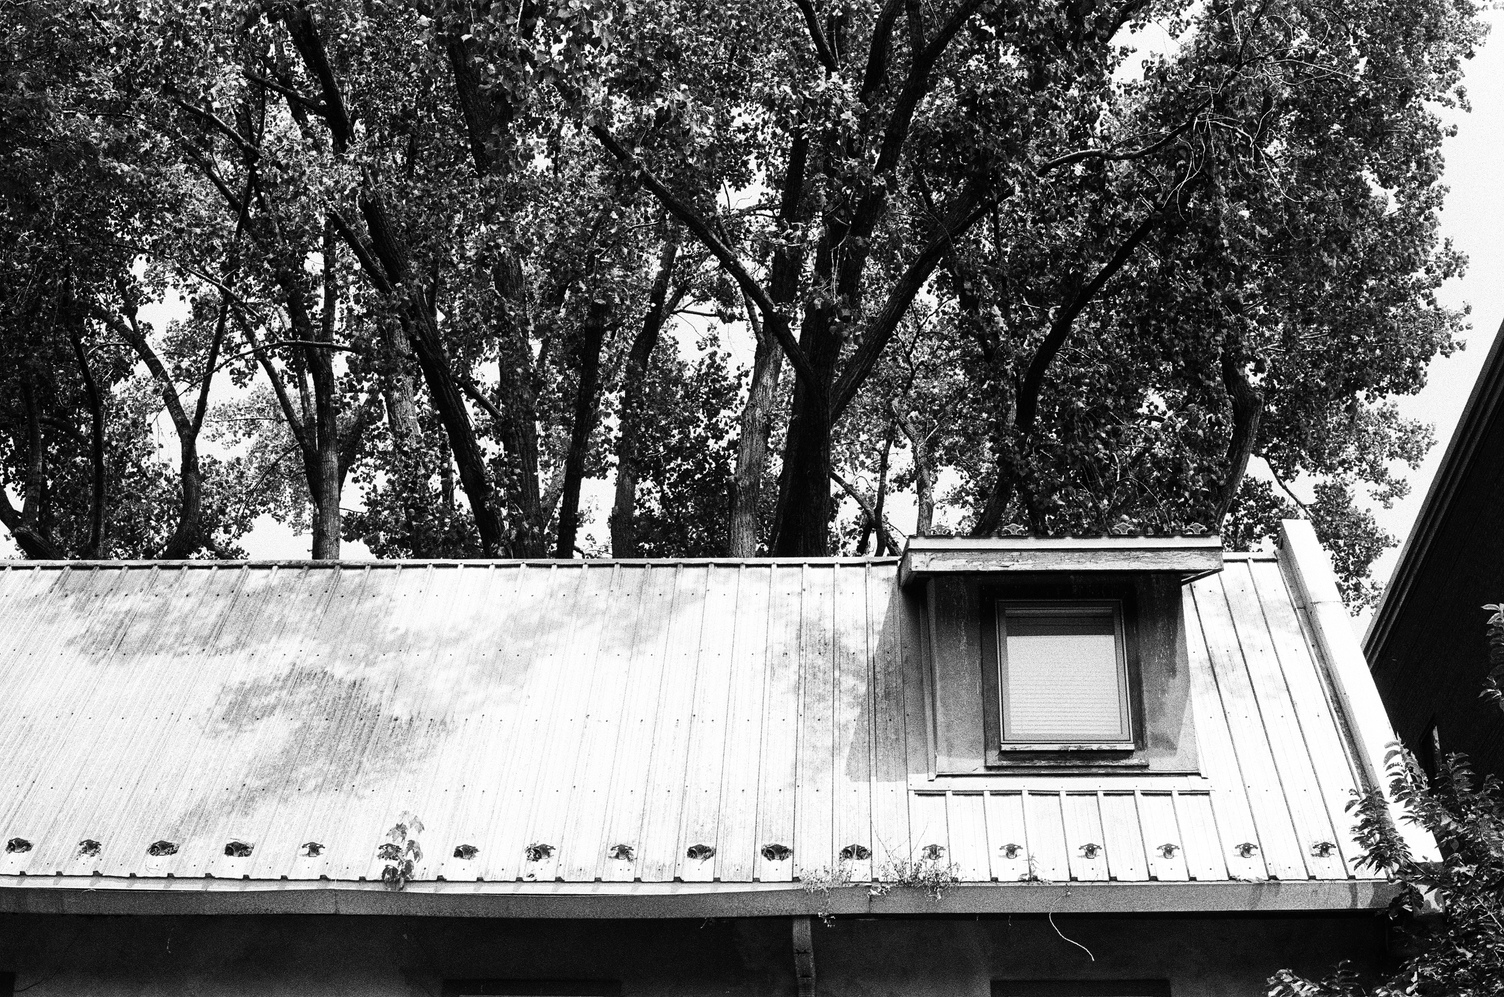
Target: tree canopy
415, 272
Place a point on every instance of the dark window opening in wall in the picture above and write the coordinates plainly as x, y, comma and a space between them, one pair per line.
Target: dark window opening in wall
1062, 676
7, 984
532, 988
1081, 988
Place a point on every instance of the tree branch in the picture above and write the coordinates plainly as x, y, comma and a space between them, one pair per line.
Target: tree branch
822, 47
284, 401
289, 93
924, 474
1060, 329
776, 321
478, 397
884, 534
362, 251
1083, 154
250, 152
968, 206
877, 53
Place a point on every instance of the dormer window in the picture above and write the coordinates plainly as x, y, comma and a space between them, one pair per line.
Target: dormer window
1057, 654
1063, 676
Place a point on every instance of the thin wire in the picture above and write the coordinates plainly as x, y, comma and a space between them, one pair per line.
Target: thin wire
1050, 914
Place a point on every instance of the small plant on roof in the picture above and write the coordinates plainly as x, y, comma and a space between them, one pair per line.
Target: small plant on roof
401, 851
819, 882
929, 872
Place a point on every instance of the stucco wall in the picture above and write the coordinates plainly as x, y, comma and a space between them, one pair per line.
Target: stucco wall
322, 956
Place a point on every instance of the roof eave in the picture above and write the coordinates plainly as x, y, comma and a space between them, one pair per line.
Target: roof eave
150, 896
1186, 556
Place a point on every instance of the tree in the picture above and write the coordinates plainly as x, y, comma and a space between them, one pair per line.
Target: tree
1016, 269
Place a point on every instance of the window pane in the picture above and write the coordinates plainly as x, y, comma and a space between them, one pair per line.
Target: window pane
1061, 680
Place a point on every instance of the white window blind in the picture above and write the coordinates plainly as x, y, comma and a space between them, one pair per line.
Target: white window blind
1062, 674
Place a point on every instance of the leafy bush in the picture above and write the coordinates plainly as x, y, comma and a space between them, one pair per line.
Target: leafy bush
1449, 915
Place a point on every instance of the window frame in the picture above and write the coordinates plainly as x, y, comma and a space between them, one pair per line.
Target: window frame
997, 754
1000, 610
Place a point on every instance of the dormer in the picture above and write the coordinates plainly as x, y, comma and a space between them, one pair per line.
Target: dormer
1065, 655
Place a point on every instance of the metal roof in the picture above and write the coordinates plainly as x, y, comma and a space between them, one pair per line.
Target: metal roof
630, 723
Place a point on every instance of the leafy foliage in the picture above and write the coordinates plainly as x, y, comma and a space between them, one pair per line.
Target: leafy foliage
401, 851
1492, 689
1449, 914
389, 269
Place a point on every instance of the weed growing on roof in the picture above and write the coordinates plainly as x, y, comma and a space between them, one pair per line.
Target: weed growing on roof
930, 872
401, 851
819, 882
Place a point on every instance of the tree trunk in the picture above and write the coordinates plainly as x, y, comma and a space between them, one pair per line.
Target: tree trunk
518, 404
869, 511
1247, 411
96, 444
805, 505
488, 116
752, 448
187, 537
393, 276
25, 526
592, 337
924, 474
623, 519
428, 349
326, 476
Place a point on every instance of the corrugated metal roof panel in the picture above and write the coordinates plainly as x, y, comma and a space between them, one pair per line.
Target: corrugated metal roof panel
617, 721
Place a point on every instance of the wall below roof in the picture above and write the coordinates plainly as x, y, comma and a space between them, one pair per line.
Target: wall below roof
323, 956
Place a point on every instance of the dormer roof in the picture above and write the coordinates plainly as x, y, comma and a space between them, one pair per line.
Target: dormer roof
1187, 556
